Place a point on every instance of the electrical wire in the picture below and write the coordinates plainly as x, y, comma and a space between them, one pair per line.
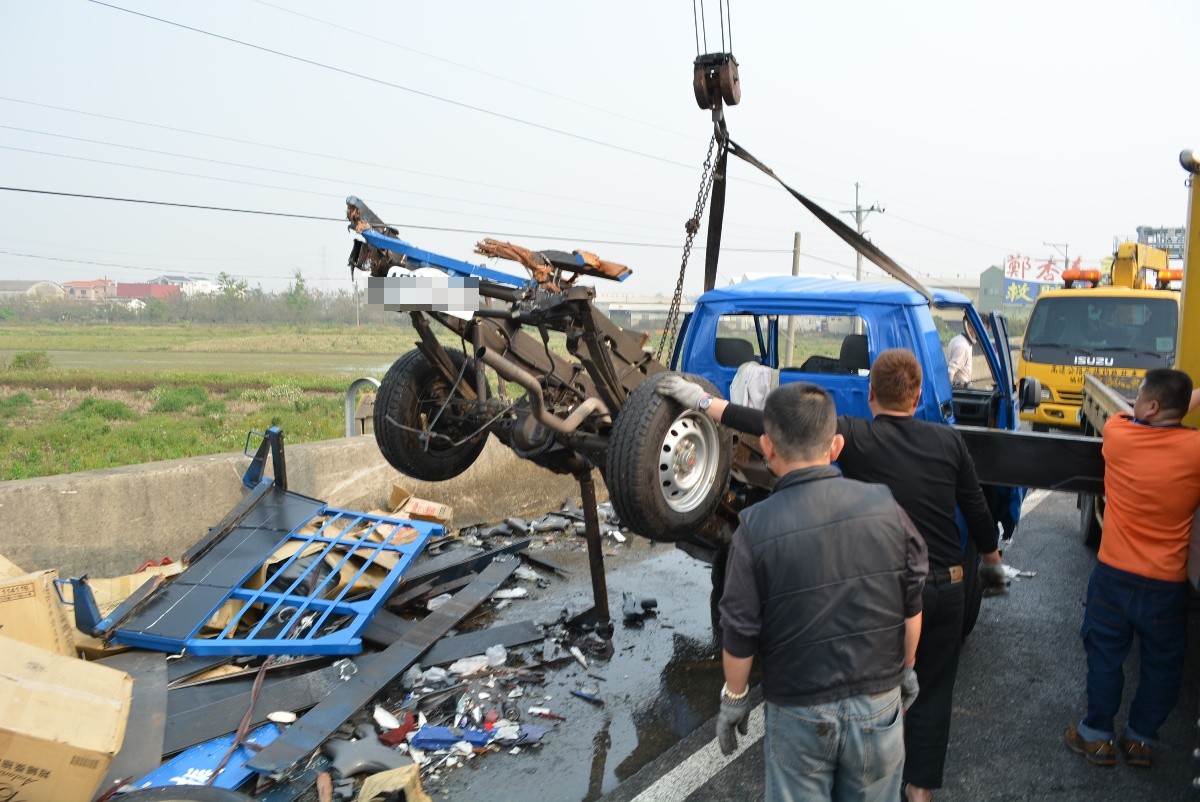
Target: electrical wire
469, 68
391, 84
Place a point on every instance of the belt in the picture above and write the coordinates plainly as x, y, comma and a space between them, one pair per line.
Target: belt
950, 576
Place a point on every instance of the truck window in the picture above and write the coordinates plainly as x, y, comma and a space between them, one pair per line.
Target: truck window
823, 344
1128, 332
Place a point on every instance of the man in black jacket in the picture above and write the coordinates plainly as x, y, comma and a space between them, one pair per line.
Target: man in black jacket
823, 582
929, 471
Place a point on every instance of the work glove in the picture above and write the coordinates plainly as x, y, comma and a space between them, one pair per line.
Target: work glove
735, 713
991, 577
908, 688
684, 392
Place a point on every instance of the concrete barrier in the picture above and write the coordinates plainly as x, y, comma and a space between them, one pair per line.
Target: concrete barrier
108, 522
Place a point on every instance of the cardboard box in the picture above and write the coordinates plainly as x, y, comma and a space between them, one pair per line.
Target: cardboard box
31, 612
61, 722
9, 569
405, 505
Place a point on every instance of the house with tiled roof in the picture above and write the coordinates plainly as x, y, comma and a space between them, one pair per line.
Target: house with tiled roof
97, 289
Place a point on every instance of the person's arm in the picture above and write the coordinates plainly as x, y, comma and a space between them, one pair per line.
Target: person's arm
737, 669
740, 606
1195, 402
736, 416
916, 568
912, 635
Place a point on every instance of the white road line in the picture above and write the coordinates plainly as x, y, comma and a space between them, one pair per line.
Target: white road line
677, 784
1033, 500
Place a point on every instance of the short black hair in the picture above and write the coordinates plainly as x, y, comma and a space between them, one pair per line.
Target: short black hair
1172, 389
800, 420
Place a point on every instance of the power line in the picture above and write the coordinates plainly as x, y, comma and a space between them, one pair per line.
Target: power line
373, 165
478, 71
476, 231
393, 85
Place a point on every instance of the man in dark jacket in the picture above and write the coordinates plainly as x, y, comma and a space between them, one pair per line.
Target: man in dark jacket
823, 582
929, 471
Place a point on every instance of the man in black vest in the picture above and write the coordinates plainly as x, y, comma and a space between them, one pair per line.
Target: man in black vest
823, 582
928, 469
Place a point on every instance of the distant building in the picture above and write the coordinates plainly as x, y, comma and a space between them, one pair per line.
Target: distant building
641, 312
146, 290
991, 289
97, 289
189, 285
31, 289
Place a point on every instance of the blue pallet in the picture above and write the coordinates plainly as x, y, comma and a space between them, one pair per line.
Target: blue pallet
195, 766
173, 618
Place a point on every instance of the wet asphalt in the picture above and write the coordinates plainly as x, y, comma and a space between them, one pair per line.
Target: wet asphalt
1020, 684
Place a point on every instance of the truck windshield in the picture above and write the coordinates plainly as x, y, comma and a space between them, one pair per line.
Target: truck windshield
1135, 332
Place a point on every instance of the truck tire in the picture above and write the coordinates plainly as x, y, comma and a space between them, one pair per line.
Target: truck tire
667, 467
1091, 519
411, 394
972, 590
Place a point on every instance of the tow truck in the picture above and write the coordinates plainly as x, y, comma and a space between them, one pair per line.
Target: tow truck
1115, 331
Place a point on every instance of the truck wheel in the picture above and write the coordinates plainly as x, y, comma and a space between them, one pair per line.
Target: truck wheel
1091, 519
666, 467
412, 394
972, 590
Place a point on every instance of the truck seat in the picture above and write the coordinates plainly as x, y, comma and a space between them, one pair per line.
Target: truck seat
733, 351
854, 356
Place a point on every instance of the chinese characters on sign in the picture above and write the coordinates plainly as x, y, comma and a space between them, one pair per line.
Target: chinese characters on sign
1020, 293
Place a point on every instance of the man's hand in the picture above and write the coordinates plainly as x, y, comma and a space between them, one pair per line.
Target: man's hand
992, 577
684, 392
735, 713
908, 687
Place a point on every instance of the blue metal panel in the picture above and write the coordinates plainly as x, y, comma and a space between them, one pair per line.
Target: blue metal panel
303, 606
421, 258
195, 766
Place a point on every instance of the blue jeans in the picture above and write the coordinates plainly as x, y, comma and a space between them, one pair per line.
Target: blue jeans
1119, 605
851, 749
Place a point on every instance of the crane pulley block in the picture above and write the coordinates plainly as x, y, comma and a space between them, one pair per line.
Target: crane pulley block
715, 80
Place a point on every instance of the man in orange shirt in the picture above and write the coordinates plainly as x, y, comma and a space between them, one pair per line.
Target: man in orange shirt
1139, 585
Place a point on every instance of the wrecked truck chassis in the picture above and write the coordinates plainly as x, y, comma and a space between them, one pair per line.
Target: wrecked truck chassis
666, 469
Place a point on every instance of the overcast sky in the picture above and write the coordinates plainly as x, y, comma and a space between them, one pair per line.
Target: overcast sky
983, 130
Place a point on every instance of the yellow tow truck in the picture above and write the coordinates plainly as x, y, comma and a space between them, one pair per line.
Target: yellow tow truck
1115, 332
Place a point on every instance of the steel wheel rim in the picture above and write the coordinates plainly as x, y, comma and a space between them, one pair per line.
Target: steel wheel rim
687, 464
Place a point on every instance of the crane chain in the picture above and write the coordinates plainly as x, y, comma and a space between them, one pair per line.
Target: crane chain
671, 327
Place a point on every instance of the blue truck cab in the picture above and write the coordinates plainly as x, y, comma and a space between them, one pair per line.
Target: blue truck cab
829, 331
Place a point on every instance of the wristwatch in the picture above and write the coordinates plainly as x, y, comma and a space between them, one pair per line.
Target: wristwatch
704, 403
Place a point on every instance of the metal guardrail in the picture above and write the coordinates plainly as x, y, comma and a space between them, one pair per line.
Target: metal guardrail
352, 403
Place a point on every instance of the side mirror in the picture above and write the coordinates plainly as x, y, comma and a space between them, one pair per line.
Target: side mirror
1031, 393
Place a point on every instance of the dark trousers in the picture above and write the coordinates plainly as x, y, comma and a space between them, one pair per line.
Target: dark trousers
1120, 604
927, 722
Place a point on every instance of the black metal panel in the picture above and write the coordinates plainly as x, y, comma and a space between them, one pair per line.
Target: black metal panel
1067, 462
141, 751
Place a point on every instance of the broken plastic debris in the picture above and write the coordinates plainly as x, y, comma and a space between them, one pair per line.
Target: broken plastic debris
616, 535
435, 676
437, 601
469, 665
496, 655
578, 655
410, 678
346, 669
282, 717
510, 593
525, 572
385, 719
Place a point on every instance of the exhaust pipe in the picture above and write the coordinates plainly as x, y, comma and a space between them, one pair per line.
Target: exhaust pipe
514, 373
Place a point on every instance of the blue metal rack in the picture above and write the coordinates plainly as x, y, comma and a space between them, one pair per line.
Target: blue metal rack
304, 604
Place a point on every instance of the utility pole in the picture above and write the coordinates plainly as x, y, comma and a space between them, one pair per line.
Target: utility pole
860, 214
791, 325
1064, 249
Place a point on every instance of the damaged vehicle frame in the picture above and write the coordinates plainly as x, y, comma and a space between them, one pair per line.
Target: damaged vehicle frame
435, 408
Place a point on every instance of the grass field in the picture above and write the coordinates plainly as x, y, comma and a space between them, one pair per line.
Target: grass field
56, 421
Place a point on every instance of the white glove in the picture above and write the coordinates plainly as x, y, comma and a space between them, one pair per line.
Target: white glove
682, 391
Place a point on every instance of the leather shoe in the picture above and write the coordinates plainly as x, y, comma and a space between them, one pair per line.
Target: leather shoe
1098, 753
1136, 753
